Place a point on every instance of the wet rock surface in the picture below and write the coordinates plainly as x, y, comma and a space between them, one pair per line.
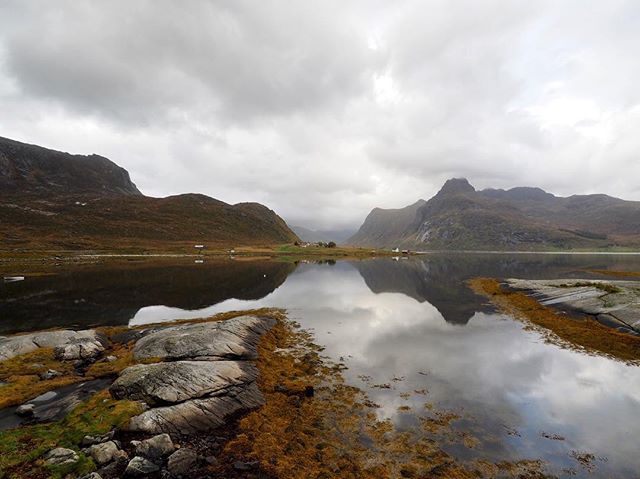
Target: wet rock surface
614, 303
206, 377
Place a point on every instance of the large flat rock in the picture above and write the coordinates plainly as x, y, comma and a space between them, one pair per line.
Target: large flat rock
198, 415
207, 375
179, 381
615, 303
235, 338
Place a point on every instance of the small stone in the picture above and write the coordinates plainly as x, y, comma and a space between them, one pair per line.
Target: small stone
78, 348
211, 460
139, 466
92, 475
115, 469
103, 453
60, 456
50, 374
91, 440
182, 461
26, 410
244, 466
110, 359
156, 447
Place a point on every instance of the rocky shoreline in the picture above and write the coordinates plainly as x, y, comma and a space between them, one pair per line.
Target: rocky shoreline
612, 303
187, 380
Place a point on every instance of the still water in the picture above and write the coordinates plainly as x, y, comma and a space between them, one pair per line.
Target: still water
411, 334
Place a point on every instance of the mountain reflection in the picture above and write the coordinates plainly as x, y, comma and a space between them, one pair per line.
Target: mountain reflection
113, 294
439, 279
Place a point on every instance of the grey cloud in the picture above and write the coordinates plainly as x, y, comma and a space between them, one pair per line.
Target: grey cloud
323, 110
137, 60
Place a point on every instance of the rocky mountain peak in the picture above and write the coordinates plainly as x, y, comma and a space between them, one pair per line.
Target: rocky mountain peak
456, 186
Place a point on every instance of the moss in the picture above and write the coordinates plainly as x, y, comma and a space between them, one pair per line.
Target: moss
21, 449
586, 333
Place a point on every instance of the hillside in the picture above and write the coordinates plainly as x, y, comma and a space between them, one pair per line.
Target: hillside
50, 199
33, 170
459, 217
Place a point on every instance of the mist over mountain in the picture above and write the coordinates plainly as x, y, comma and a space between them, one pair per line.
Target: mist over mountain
51, 199
314, 236
523, 218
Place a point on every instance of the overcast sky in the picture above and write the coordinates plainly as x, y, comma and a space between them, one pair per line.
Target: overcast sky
323, 110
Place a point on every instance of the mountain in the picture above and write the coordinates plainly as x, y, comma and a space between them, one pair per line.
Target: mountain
384, 227
33, 170
55, 200
314, 236
523, 218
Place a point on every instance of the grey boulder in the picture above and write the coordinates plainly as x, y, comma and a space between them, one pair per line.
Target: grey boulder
198, 415
79, 348
11, 346
182, 461
179, 381
61, 456
156, 447
25, 410
139, 466
235, 338
103, 453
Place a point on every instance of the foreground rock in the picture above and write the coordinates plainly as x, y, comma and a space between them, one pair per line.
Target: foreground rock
11, 346
61, 456
206, 376
182, 462
179, 381
103, 453
235, 338
614, 303
140, 467
155, 448
198, 415
79, 348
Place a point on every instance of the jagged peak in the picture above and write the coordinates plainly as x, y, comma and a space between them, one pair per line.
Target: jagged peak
455, 186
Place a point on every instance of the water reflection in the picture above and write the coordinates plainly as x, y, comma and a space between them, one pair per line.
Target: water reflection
414, 326
113, 294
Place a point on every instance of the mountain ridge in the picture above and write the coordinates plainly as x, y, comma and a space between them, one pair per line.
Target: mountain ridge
521, 218
54, 200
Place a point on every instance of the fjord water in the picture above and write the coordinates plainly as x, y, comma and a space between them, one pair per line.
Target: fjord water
410, 333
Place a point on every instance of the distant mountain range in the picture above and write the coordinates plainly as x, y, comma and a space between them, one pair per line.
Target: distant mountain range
55, 200
314, 236
459, 217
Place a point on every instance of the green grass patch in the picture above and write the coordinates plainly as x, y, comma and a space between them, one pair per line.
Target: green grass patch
21, 449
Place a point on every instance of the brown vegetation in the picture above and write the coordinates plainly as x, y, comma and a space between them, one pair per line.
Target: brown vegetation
584, 332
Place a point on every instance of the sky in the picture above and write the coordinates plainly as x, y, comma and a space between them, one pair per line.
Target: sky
322, 110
